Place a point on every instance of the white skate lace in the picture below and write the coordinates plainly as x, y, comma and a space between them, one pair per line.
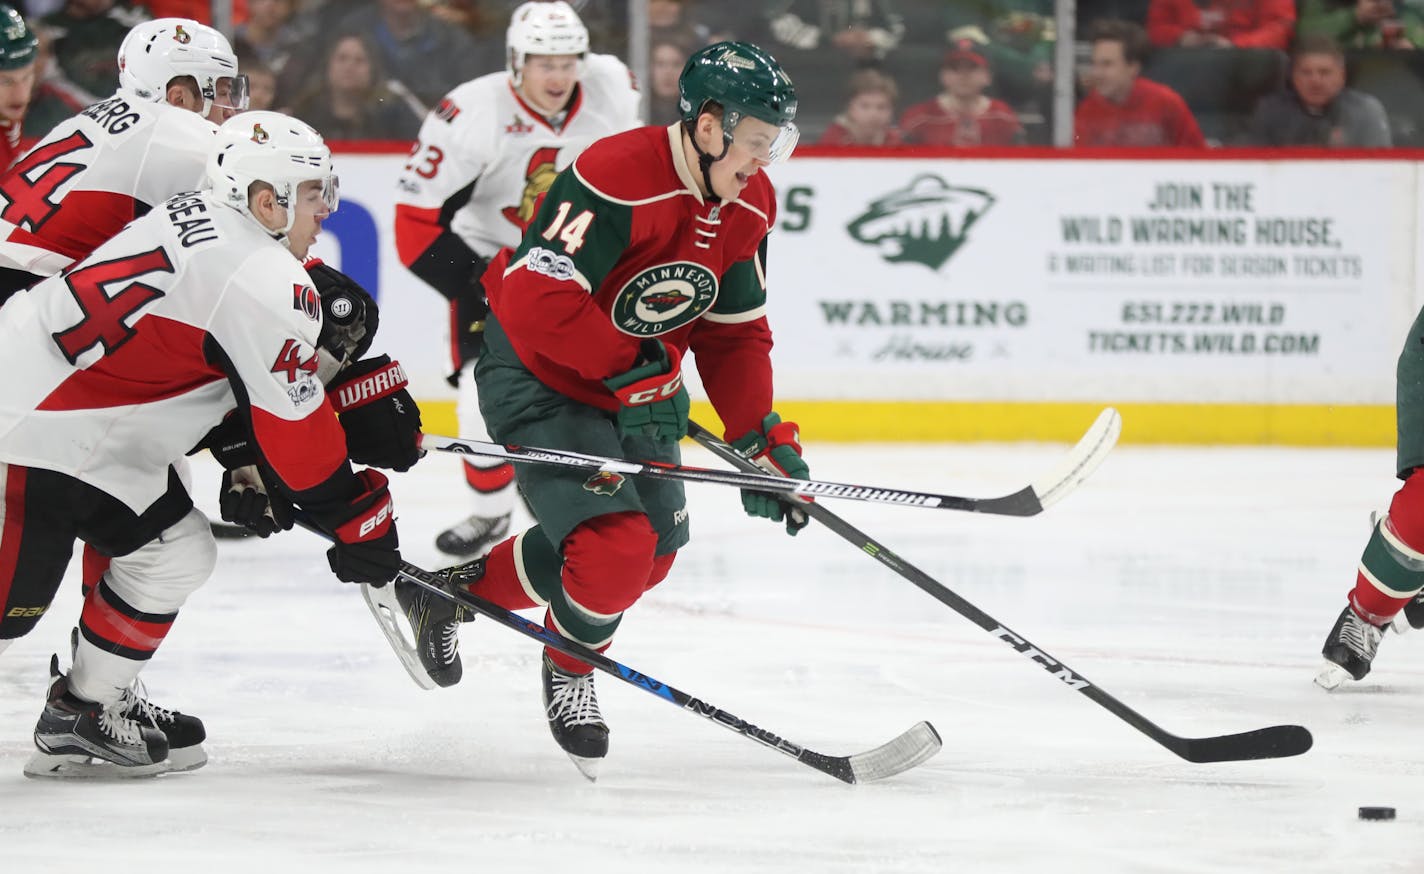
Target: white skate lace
449, 641
135, 700
116, 725
572, 699
1360, 636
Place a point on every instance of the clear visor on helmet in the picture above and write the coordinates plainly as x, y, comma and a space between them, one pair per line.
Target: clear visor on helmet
319, 196
231, 92
764, 140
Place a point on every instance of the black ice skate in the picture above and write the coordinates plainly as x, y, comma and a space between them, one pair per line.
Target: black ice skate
436, 621
185, 733
78, 738
571, 703
1349, 649
473, 535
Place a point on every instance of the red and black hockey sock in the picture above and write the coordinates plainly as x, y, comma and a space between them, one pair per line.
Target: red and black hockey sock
1391, 569
114, 626
93, 564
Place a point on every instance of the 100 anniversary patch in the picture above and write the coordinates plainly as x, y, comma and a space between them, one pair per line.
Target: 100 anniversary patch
665, 297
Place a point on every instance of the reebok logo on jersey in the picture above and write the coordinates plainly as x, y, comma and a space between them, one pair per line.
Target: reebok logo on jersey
925, 222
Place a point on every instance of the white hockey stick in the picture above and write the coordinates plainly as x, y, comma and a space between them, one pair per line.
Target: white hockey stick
1028, 501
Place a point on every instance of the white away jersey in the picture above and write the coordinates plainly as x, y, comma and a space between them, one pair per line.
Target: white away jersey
126, 357
93, 174
484, 135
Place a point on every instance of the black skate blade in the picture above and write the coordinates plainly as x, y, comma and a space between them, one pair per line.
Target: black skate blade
1273, 742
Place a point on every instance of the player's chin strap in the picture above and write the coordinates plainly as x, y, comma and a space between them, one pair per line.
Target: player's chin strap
705, 159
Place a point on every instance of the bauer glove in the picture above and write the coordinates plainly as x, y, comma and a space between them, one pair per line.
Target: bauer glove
777, 449
367, 549
654, 400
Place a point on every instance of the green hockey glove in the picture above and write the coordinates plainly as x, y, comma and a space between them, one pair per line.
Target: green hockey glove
654, 400
777, 448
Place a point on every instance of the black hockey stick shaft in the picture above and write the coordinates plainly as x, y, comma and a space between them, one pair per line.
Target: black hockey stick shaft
1273, 742
912, 748
1022, 503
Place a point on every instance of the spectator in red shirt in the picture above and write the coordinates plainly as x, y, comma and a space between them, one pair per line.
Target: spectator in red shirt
869, 116
1242, 24
961, 115
1124, 109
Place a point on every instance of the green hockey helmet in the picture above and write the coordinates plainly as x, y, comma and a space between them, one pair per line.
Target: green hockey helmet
747, 83
18, 44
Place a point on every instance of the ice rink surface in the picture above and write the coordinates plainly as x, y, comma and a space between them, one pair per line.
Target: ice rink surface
1195, 585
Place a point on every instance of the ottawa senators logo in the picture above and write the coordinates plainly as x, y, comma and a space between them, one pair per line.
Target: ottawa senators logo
259, 135
538, 176
180, 35
604, 483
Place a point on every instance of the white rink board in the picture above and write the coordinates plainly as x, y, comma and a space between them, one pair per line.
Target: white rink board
1035, 280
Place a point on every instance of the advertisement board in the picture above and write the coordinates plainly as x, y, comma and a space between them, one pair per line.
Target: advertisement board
942, 286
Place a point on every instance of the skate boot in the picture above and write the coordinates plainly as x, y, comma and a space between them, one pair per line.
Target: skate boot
473, 535
436, 621
185, 733
1349, 649
571, 704
78, 738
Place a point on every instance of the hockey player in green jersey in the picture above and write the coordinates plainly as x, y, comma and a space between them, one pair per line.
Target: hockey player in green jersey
652, 244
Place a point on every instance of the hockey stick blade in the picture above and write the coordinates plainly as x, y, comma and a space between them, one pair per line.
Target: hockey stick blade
1076, 466
1274, 742
909, 749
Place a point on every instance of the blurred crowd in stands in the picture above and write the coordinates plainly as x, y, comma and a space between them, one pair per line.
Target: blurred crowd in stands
1187, 73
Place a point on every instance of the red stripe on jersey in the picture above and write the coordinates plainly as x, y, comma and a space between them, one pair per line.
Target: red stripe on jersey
304, 453
164, 360
417, 228
83, 221
140, 634
12, 529
489, 479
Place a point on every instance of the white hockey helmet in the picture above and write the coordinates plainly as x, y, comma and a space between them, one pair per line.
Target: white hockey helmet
158, 51
543, 28
273, 148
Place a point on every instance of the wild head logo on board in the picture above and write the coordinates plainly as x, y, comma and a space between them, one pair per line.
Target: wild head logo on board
925, 222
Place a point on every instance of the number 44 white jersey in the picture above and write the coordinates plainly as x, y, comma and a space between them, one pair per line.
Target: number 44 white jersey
126, 361
485, 155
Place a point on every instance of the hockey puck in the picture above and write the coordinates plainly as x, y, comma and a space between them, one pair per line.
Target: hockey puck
1377, 813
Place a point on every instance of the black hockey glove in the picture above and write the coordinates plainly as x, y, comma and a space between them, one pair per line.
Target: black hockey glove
231, 442
350, 316
468, 312
381, 420
245, 500
367, 549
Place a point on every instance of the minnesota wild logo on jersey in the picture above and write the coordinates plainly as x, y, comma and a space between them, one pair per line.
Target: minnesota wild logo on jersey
664, 297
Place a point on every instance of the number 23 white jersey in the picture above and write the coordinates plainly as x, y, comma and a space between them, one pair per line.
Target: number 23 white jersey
485, 155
